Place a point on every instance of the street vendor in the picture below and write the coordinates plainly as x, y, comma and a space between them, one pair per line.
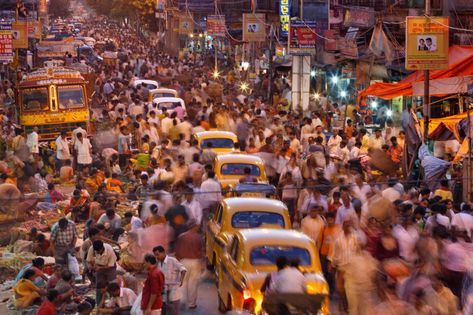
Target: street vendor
26, 292
63, 240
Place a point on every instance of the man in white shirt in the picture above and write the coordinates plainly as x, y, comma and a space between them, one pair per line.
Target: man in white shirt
290, 280
32, 141
83, 149
313, 224
463, 221
376, 141
210, 191
360, 189
134, 222
63, 153
391, 193
334, 142
346, 210
193, 207
102, 259
121, 300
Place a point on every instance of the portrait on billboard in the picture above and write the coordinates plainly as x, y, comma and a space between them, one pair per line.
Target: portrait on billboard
427, 43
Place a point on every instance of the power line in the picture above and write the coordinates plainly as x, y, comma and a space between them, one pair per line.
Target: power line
447, 26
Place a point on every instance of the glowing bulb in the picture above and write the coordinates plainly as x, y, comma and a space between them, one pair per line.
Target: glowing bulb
201, 35
244, 86
389, 113
316, 96
216, 74
312, 73
374, 104
343, 93
334, 79
191, 35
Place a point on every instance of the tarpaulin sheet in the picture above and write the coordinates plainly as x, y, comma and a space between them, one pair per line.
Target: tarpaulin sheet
439, 87
460, 64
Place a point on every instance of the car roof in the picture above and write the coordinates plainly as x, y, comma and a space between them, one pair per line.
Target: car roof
163, 90
255, 204
239, 158
168, 99
139, 81
262, 236
215, 134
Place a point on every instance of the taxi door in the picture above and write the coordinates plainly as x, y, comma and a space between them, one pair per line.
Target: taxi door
231, 282
211, 234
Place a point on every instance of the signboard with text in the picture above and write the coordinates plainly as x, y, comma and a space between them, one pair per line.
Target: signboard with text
34, 29
284, 17
186, 25
254, 29
6, 45
216, 25
20, 34
357, 16
302, 37
426, 43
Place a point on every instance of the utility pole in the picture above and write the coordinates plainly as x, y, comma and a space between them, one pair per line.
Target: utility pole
270, 70
426, 100
215, 45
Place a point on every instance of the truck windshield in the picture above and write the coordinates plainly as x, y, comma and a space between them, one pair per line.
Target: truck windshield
35, 99
70, 97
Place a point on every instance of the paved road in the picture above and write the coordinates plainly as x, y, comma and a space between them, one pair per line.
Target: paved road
206, 300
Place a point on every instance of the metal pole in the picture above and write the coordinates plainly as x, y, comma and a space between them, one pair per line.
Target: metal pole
426, 100
270, 70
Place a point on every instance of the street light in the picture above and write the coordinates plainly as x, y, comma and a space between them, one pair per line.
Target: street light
335, 79
316, 96
343, 94
215, 75
389, 113
244, 86
374, 104
312, 73
191, 35
201, 35
245, 65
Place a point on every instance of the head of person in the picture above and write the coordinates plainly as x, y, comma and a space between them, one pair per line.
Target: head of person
98, 246
63, 223
63, 134
79, 136
315, 211
211, 174
29, 274
38, 262
330, 218
281, 262
85, 308
113, 289
52, 295
444, 183
149, 260
428, 41
66, 275
110, 213
159, 252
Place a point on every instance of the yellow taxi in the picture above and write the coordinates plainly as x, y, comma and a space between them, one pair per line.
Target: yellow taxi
251, 256
222, 142
161, 92
230, 169
234, 214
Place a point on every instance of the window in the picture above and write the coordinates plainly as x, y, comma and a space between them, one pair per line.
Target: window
254, 219
163, 94
267, 255
217, 143
70, 97
35, 99
219, 215
239, 169
168, 105
234, 250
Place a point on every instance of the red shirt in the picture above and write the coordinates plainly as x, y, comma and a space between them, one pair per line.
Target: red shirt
47, 308
154, 284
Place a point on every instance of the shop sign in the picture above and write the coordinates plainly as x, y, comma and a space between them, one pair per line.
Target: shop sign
254, 27
302, 37
426, 43
284, 17
356, 16
186, 25
216, 25
20, 34
34, 29
6, 42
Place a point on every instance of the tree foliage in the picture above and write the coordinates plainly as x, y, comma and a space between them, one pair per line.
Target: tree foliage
59, 8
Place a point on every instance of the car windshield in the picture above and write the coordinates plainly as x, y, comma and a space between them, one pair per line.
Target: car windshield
163, 94
254, 219
168, 105
224, 143
267, 255
70, 97
35, 99
239, 169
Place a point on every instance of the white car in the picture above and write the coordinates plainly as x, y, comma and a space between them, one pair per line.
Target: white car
170, 103
150, 84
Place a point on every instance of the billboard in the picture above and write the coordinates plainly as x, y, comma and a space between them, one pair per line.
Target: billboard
186, 25
34, 29
6, 42
254, 29
284, 17
302, 37
20, 34
216, 25
426, 43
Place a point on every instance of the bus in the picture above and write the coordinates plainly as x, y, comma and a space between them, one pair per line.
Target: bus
53, 99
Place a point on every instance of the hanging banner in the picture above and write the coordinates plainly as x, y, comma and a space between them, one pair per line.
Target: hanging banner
302, 37
186, 25
34, 29
20, 34
254, 27
6, 45
426, 43
284, 17
216, 25
359, 16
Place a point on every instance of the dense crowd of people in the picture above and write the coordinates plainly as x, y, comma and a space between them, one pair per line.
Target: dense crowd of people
386, 245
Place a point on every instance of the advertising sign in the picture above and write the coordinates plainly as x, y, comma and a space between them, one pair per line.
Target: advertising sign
356, 16
216, 25
426, 43
42, 7
302, 37
6, 45
254, 27
186, 25
20, 34
34, 29
284, 17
